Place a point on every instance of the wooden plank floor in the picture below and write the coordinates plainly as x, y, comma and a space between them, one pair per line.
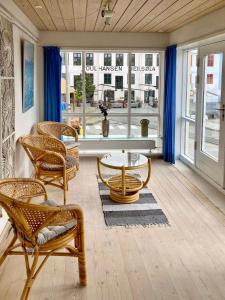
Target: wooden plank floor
185, 260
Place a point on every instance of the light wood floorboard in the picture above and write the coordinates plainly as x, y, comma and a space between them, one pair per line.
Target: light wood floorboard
185, 260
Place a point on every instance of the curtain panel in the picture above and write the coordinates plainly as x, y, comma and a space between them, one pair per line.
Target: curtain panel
170, 104
52, 84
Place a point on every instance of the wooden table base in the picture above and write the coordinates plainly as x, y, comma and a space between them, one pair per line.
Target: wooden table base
128, 198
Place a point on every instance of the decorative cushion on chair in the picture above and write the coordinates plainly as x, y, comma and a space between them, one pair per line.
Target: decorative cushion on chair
70, 162
51, 232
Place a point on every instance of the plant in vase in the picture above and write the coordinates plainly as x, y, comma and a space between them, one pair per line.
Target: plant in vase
105, 122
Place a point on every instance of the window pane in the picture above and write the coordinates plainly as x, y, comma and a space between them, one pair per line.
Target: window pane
191, 87
189, 142
146, 84
71, 83
76, 122
107, 78
117, 126
211, 102
150, 126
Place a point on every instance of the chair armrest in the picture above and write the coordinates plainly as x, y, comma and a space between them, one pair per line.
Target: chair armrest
67, 213
69, 131
51, 157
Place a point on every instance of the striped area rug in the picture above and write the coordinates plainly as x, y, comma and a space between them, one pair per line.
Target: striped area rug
145, 211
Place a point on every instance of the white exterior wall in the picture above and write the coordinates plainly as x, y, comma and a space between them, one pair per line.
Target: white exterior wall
98, 74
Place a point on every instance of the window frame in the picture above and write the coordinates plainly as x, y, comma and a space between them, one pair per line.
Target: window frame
119, 60
184, 117
128, 114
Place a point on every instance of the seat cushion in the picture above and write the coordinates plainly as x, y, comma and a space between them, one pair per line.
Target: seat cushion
51, 232
70, 162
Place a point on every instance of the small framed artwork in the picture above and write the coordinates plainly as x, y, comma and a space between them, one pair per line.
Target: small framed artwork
28, 75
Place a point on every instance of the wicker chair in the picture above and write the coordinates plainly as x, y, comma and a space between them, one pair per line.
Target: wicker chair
57, 130
49, 157
44, 229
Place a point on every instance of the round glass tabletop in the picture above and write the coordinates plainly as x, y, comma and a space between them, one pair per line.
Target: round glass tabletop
126, 159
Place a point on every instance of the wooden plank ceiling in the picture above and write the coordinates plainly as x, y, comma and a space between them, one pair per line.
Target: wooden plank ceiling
129, 15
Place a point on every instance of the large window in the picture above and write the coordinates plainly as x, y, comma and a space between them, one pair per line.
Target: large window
104, 78
189, 107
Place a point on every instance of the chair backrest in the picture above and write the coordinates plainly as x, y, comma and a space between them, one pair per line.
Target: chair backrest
56, 129
50, 128
24, 217
39, 146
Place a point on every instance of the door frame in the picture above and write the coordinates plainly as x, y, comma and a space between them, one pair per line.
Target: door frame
212, 168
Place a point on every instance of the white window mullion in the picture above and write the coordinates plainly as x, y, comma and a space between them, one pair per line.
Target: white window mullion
84, 93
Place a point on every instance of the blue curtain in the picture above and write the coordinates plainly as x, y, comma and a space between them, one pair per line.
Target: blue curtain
170, 105
52, 84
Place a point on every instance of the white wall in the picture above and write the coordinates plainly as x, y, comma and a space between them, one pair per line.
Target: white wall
207, 26
105, 40
23, 29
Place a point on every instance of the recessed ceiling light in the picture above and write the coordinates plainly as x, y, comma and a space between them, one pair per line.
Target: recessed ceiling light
38, 6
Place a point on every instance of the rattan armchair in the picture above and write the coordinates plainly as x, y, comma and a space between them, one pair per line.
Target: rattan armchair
57, 130
44, 229
50, 159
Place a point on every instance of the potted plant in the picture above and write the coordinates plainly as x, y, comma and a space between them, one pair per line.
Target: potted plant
105, 122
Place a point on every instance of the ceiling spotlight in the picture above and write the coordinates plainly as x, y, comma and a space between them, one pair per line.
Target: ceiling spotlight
107, 14
38, 6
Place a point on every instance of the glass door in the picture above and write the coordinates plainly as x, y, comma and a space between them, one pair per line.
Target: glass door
210, 111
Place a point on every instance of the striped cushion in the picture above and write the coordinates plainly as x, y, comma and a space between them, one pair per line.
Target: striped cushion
51, 232
70, 162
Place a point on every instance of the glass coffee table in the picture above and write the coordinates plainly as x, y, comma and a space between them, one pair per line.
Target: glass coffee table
124, 188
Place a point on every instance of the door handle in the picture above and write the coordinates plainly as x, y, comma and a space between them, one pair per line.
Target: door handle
222, 109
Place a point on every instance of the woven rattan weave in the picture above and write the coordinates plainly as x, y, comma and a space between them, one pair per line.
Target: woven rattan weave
57, 130
29, 219
45, 150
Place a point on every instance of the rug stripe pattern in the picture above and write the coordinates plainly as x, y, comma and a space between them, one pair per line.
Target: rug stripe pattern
146, 211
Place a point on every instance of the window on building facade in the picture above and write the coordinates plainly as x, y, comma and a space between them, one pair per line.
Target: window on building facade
148, 78
107, 59
149, 59
77, 59
132, 78
89, 59
132, 59
107, 78
119, 82
210, 60
119, 59
209, 78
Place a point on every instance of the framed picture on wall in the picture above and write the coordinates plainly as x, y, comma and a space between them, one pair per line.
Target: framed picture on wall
28, 75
